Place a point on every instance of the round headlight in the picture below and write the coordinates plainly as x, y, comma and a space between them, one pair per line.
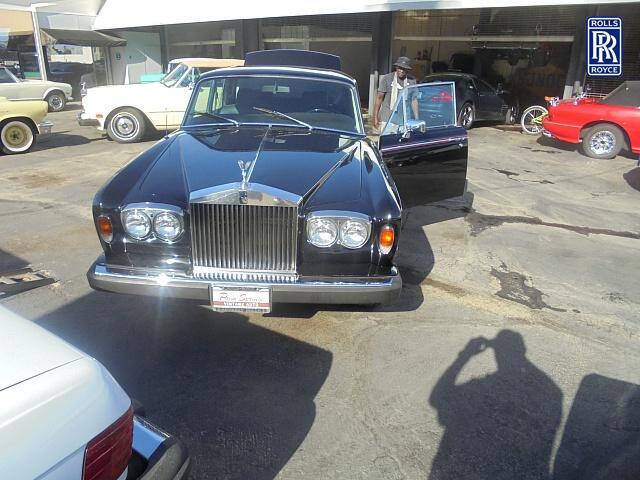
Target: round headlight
354, 233
167, 226
136, 223
322, 232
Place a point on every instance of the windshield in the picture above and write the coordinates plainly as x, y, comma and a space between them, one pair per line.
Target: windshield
174, 75
308, 103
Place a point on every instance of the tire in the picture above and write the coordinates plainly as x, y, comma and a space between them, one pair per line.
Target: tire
16, 136
526, 121
126, 125
56, 101
467, 116
603, 140
510, 116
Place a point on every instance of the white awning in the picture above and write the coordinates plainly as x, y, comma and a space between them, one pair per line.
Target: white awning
127, 14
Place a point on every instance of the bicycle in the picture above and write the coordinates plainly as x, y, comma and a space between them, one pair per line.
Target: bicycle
531, 120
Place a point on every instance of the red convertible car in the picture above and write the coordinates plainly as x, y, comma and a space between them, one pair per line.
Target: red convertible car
603, 126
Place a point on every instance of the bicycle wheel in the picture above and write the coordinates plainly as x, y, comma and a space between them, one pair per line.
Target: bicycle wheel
531, 121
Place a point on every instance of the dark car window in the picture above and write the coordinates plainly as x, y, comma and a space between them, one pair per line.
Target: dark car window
484, 88
5, 76
320, 103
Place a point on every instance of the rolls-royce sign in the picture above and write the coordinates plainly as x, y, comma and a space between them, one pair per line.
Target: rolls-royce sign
604, 46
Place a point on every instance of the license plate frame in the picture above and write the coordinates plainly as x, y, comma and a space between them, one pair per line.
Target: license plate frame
230, 299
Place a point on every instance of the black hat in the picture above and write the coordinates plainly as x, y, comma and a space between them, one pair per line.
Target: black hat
403, 62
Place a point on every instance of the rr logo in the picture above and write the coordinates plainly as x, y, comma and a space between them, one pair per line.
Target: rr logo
604, 46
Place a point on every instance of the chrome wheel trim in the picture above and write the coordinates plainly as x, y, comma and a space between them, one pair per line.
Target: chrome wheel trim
466, 116
16, 136
603, 142
55, 102
124, 125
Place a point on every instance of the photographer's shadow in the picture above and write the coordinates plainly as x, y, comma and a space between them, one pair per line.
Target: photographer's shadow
500, 426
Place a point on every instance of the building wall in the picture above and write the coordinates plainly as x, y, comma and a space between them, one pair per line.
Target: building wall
141, 55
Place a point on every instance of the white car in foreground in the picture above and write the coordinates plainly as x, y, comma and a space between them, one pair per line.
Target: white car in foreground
127, 111
64, 417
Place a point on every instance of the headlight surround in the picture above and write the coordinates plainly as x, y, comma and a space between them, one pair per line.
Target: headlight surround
167, 226
136, 223
349, 229
148, 221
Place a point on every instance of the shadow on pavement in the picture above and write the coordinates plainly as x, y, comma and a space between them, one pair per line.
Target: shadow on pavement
60, 139
500, 426
573, 147
9, 261
240, 396
503, 425
633, 178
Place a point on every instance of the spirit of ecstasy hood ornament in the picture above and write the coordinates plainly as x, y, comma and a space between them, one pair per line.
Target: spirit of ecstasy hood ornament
244, 166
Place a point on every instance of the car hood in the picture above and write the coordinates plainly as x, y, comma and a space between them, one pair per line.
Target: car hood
27, 350
290, 159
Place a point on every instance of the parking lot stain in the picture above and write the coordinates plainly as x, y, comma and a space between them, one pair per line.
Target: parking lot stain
539, 150
507, 172
615, 297
479, 222
513, 286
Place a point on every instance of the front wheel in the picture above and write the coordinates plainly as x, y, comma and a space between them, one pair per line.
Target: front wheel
467, 116
56, 101
126, 126
603, 141
16, 137
531, 121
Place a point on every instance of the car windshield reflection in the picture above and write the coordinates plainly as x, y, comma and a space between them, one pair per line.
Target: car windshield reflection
174, 75
301, 102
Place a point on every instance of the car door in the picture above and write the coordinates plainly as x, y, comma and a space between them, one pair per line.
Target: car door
9, 85
178, 97
423, 148
489, 103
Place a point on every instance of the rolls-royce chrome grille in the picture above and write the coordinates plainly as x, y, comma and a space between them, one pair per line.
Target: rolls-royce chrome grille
244, 242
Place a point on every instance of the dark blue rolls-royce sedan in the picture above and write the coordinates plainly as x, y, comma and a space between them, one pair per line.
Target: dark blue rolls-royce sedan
271, 192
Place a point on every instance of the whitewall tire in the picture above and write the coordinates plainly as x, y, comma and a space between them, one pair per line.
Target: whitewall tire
16, 136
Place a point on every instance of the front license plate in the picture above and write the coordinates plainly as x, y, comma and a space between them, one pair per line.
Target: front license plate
239, 299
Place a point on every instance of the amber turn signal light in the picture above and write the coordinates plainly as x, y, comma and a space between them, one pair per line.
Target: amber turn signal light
105, 228
387, 236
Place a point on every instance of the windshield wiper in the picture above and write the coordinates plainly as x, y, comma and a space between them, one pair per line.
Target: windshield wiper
215, 115
283, 115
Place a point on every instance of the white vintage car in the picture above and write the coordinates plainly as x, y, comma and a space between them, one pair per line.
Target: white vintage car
56, 94
64, 417
127, 111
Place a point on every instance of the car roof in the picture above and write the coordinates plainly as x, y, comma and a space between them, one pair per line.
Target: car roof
211, 62
319, 73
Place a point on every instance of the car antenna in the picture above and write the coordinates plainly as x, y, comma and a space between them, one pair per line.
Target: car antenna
166, 128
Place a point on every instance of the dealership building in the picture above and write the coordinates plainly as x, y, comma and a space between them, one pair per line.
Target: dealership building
533, 49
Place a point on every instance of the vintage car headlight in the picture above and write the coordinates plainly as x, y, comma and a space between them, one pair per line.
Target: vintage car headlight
349, 229
167, 226
136, 223
322, 232
354, 233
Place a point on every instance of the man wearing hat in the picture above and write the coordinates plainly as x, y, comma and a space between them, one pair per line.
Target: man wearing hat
390, 88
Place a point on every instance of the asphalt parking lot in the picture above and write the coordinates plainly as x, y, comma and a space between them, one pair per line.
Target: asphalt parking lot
541, 258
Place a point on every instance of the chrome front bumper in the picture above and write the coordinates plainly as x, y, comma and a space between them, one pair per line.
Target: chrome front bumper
45, 127
336, 290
